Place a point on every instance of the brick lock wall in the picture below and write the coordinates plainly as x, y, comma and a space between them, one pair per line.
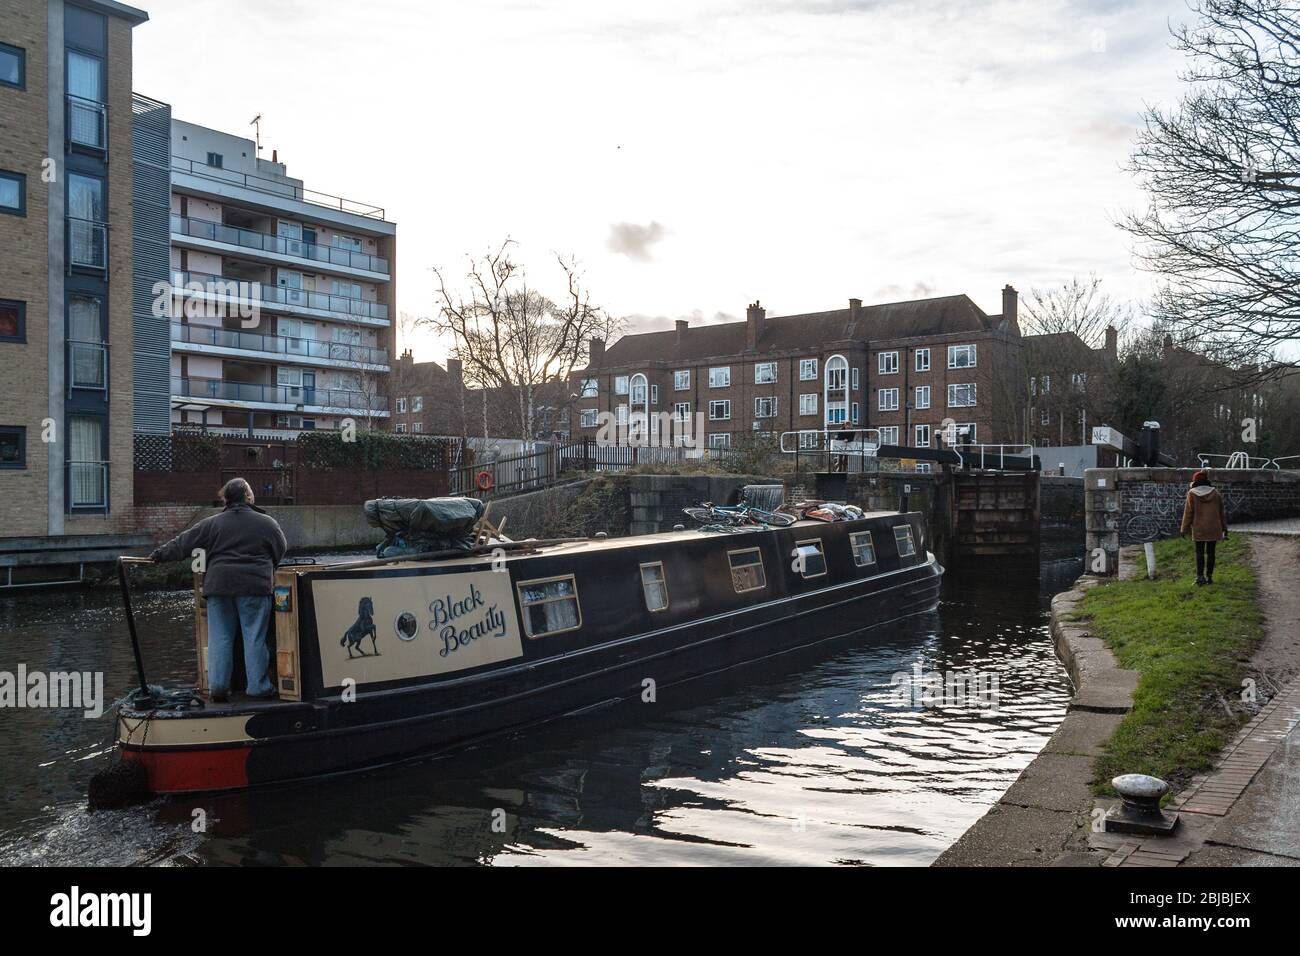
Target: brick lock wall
1135, 505
24, 264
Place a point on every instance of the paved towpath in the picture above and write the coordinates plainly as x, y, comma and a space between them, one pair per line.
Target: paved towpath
1246, 811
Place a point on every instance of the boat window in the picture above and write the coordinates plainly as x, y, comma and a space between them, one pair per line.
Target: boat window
550, 606
747, 570
903, 535
864, 550
810, 561
654, 586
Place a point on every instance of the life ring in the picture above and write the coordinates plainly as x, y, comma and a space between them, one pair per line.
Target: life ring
484, 480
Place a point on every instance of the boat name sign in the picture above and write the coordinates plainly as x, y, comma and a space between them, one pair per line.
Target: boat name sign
368, 629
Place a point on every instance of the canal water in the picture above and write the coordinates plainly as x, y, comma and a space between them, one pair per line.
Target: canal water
838, 755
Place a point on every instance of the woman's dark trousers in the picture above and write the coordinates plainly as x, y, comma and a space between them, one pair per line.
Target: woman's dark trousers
1205, 559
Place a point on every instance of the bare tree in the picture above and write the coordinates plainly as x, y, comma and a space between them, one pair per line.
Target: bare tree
513, 339
1058, 383
1223, 174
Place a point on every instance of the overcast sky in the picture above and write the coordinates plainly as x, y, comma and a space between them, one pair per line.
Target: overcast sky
698, 155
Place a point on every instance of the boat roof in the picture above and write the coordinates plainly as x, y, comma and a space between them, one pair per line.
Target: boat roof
520, 549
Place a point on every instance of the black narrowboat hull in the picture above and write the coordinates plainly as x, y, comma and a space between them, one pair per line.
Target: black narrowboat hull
618, 651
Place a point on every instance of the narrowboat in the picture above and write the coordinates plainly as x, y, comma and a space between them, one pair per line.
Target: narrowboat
382, 661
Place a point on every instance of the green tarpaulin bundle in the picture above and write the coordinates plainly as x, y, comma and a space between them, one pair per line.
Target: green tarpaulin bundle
419, 525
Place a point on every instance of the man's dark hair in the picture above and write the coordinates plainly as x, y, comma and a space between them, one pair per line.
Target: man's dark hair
235, 491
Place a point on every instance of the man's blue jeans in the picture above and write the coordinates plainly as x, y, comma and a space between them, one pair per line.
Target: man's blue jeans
227, 615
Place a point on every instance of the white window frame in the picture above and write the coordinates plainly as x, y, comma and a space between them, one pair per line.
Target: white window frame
808, 370
662, 582
682, 379
853, 376
762, 570
855, 412
887, 363
720, 376
855, 546
953, 393
906, 536
765, 373
524, 605
808, 403
621, 384
922, 360
720, 418
417, 403
682, 411
590, 388
921, 436
956, 350
720, 440
587, 418
760, 401
887, 400
817, 545
889, 435
401, 405
922, 396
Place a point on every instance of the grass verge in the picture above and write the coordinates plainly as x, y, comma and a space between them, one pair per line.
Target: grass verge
1191, 645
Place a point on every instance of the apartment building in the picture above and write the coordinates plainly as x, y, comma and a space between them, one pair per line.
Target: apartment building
429, 399
904, 368
282, 316
67, 234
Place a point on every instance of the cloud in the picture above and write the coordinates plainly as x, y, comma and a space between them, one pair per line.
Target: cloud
634, 240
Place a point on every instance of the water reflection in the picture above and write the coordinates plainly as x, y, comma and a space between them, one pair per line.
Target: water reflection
809, 759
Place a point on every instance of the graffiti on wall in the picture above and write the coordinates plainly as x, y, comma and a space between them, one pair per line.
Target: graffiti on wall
1154, 509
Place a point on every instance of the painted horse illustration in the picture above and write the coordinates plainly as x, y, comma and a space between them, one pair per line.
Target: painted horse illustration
362, 626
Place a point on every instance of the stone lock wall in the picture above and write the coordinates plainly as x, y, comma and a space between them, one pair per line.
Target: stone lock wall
1135, 505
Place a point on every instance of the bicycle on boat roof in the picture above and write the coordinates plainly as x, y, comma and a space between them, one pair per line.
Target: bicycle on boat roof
736, 516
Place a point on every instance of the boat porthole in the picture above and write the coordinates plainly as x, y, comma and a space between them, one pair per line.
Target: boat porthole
297, 725
406, 626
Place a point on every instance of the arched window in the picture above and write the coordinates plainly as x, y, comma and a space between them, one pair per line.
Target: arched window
639, 406
836, 390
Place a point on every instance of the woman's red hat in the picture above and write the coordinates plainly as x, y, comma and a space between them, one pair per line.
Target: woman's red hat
1197, 476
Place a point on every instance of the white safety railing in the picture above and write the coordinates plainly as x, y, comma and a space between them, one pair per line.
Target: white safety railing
992, 457
1236, 460
863, 443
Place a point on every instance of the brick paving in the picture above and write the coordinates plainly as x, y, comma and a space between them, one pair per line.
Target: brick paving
1214, 794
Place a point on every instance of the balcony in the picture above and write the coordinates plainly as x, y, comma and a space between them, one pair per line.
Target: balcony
279, 345
293, 396
88, 486
344, 307
87, 365
87, 244
283, 188
249, 239
87, 123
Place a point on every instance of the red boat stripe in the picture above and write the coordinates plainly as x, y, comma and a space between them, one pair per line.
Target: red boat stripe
178, 771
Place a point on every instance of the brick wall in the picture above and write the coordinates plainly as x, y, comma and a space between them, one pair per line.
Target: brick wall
24, 264
164, 522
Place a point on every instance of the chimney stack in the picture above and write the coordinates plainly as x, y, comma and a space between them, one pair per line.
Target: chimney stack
1010, 306
754, 316
455, 369
1112, 340
681, 329
595, 352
